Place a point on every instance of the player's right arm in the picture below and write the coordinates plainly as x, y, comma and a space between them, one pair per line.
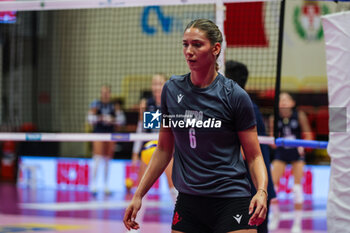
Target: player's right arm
160, 159
305, 129
92, 114
271, 129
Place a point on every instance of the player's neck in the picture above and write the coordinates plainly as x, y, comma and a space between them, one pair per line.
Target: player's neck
203, 78
105, 100
286, 112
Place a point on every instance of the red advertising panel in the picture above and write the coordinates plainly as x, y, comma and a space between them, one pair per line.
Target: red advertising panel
72, 173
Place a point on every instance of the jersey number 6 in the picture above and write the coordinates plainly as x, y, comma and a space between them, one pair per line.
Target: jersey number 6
192, 135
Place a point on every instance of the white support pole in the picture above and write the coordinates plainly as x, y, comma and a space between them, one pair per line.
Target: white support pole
337, 39
220, 14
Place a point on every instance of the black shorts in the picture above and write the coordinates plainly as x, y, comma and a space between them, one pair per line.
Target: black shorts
103, 129
197, 214
288, 155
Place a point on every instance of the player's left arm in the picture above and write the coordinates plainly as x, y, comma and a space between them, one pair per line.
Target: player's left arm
305, 130
256, 165
305, 126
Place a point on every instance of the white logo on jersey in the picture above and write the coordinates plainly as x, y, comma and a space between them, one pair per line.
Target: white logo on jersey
179, 97
238, 218
294, 123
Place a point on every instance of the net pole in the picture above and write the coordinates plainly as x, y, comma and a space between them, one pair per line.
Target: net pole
220, 19
279, 69
336, 31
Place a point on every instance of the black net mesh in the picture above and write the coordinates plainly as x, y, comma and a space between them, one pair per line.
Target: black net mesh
55, 62
251, 31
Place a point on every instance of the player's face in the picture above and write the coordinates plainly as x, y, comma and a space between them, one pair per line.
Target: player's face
286, 101
157, 85
105, 94
198, 50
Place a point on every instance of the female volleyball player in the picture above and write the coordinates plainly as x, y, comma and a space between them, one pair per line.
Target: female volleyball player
103, 117
152, 104
207, 117
292, 124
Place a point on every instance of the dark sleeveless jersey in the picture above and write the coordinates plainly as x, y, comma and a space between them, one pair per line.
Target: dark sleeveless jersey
288, 128
151, 105
103, 111
205, 123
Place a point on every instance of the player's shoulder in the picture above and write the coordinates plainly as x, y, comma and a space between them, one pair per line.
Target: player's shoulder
150, 101
230, 86
176, 81
178, 78
95, 103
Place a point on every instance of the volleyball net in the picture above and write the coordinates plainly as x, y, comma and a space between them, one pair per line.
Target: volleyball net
56, 55
132, 137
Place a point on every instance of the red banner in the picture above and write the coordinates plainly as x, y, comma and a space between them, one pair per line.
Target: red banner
244, 25
7, 16
72, 173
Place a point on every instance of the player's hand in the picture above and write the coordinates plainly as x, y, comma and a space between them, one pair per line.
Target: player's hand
273, 146
301, 151
107, 119
131, 213
258, 206
92, 119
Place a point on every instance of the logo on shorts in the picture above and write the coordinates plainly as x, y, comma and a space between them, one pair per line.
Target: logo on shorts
151, 120
176, 218
238, 218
